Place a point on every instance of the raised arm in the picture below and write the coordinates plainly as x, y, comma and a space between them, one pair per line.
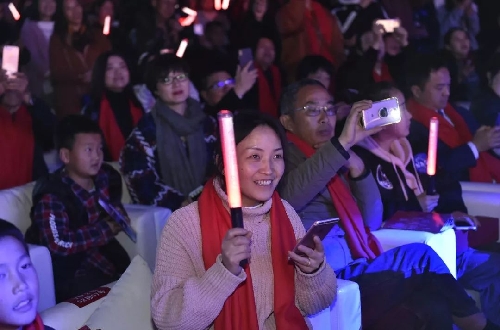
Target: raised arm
306, 178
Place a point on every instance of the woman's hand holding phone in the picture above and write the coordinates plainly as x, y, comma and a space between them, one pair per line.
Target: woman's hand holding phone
313, 258
235, 248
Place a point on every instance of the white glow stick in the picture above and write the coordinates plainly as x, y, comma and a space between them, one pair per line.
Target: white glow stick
225, 4
14, 11
107, 25
182, 48
189, 11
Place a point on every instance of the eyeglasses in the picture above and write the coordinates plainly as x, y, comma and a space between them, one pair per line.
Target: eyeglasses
222, 84
315, 110
170, 80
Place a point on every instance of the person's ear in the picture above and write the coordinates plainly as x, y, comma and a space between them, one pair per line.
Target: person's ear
287, 122
416, 91
64, 155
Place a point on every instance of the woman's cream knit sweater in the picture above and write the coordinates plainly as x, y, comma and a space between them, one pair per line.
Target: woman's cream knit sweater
186, 296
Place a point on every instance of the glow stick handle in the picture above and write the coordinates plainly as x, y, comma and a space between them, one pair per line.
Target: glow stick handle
432, 155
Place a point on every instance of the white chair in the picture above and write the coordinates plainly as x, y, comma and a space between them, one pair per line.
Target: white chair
15, 206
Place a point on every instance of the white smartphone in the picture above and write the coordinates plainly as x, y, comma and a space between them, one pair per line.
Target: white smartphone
319, 228
381, 113
389, 24
10, 60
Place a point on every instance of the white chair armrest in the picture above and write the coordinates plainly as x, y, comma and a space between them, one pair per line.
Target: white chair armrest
40, 258
444, 244
148, 222
344, 313
480, 186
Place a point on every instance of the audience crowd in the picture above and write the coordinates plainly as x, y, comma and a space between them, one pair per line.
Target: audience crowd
298, 75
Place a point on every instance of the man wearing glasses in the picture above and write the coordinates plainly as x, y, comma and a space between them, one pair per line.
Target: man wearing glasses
309, 116
221, 91
324, 179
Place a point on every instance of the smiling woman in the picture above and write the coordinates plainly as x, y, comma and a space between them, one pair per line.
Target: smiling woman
208, 251
18, 282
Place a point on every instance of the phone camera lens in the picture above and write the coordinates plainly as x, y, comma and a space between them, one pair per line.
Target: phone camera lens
384, 113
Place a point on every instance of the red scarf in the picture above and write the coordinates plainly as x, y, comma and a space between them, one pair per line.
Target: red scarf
239, 311
268, 102
384, 75
360, 240
487, 167
17, 145
112, 133
318, 31
36, 325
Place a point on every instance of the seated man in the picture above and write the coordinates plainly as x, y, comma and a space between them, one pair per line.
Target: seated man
221, 92
316, 187
19, 288
77, 210
463, 148
389, 157
26, 130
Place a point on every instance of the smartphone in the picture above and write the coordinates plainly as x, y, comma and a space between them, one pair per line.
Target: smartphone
319, 228
464, 223
381, 113
244, 56
389, 24
10, 60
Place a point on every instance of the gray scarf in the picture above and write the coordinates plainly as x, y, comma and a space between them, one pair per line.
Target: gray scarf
182, 163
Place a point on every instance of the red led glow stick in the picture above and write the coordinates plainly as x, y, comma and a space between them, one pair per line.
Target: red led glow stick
231, 169
186, 21
432, 155
107, 25
230, 160
14, 11
218, 4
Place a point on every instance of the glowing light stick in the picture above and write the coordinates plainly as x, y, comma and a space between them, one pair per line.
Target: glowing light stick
107, 25
225, 4
218, 4
189, 11
231, 169
432, 155
186, 21
14, 11
182, 48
